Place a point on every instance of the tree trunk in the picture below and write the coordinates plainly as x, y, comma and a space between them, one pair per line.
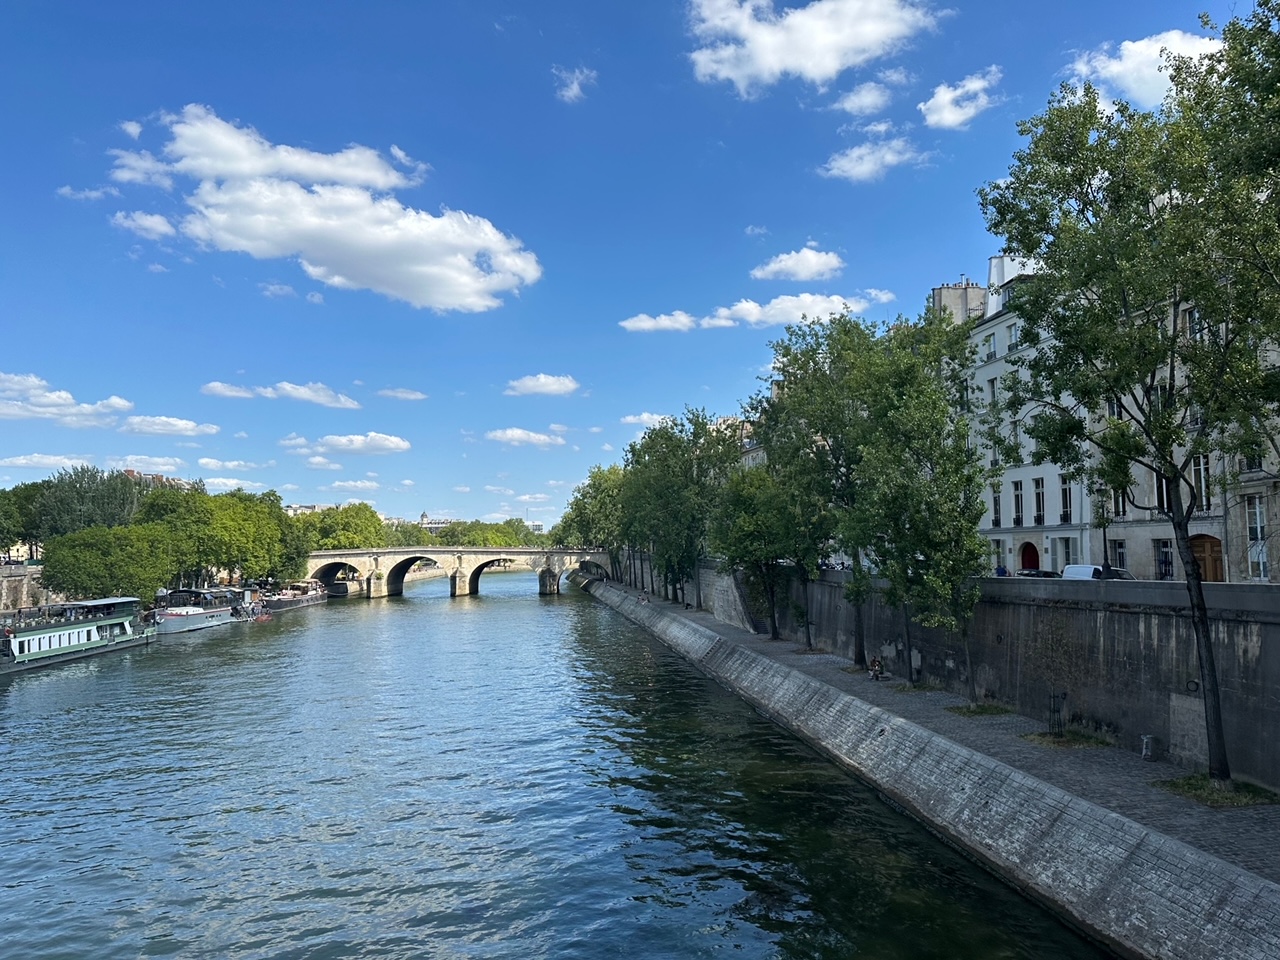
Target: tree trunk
771, 591
808, 629
968, 665
1219, 768
653, 589
697, 584
906, 636
859, 638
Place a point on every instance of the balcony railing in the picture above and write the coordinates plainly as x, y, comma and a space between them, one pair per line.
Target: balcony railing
1039, 519
1017, 519
1064, 517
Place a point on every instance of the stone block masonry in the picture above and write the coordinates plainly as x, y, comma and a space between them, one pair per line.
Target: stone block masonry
1140, 892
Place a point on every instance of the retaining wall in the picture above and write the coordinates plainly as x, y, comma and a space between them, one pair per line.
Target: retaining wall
1140, 892
20, 587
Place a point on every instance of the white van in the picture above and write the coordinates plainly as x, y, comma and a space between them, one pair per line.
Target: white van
1092, 571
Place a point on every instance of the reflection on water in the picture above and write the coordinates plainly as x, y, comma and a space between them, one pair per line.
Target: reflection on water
493, 776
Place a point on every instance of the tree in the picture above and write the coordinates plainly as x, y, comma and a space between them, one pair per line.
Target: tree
80, 497
10, 521
593, 516
109, 561
26, 498
1155, 301
353, 526
187, 516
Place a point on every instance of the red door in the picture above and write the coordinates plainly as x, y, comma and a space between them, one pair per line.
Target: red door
1030, 557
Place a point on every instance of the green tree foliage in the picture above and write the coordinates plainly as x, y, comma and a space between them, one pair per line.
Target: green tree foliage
109, 561
1156, 296
350, 527
10, 521
26, 498
593, 516
512, 532
401, 533
82, 497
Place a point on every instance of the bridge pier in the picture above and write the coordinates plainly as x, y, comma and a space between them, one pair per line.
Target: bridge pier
548, 582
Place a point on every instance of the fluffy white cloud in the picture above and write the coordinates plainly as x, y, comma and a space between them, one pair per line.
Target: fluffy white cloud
24, 396
881, 296
794, 309
95, 194
132, 128
308, 392
274, 291
146, 464
223, 484
533, 498
149, 225
157, 268
209, 463
461, 489
332, 212
864, 99
500, 491
364, 443
289, 487
361, 485
645, 419
869, 161
607, 447
541, 383
45, 461
805, 264
402, 393
515, 436
750, 44
316, 298
952, 107
754, 231
167, 427
407, 483
557, 428
569, 83
317, 462
643, 323
1134, 68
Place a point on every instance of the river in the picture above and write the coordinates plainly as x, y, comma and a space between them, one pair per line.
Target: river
504, 775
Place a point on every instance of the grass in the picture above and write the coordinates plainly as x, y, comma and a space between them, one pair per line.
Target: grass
980, 710
924, 686
1069, 739
1197, 787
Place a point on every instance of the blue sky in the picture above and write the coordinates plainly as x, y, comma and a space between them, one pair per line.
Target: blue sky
446, 256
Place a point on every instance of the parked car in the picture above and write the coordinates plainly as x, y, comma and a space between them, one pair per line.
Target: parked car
1092, 571
1044, 574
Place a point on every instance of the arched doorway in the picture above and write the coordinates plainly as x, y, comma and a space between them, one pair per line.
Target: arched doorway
1029, 557
1208, 554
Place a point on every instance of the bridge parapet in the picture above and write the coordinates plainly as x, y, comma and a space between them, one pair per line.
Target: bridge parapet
380, 572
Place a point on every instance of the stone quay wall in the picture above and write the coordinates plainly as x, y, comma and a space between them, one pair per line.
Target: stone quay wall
20, 587
1122, 652
1142, 893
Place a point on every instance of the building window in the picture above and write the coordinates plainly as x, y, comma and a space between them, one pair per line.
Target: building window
995, 506
1113, 408
1066, 550
1017, 503
1201, 482
989, 346
1255, 513
997, 552
1065, 484
991, 391
1119, 555
1038, 486
1164, 495
1012, 330
1164, 559
1119, 503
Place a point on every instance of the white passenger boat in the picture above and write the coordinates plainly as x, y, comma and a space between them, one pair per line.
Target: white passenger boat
178, 611
37, 636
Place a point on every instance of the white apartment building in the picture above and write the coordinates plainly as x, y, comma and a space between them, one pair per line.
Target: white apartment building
1038, 519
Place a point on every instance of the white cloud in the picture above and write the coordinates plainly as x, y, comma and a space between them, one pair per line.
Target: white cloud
607, 447
289, 487
24, 396
557, 428
293, 440
402, 393
792, 309
895, 76
461, 489
556, 483
241, 435
332, 212
167, 427
45, 461
515, 436
273, 291
318, 462
223, 484
146, 464
645, 419
951, 108
805, 264
500, 491
754, 231
209, 463
157, 268
533, 498
881, 296
149, 225
216, 388
132, 128
96, 194
869, 161
309, 393
364, 443
362, 485
541, 383
569, 83
316, 298
751, 45
643, 323
595, 429
406, 483
1134, 69
864, 99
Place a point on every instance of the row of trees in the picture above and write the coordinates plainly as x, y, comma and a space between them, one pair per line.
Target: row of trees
104, 533
1152, 318
863, 455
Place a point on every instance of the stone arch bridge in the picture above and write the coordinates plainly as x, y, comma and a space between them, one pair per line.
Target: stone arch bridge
380, 572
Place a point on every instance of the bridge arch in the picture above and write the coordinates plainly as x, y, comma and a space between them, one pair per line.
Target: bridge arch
341, 578
395, 574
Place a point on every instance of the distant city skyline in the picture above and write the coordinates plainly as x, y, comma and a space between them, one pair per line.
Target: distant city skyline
447, 257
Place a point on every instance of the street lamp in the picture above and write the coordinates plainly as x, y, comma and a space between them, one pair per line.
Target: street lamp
1101, 494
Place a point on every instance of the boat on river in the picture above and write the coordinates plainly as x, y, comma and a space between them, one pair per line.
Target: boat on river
298, 593
39, 636
179, 611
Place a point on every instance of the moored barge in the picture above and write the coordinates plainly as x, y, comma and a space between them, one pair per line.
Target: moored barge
56, 633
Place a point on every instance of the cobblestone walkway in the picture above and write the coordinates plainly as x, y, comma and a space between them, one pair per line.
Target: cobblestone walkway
1110, 777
